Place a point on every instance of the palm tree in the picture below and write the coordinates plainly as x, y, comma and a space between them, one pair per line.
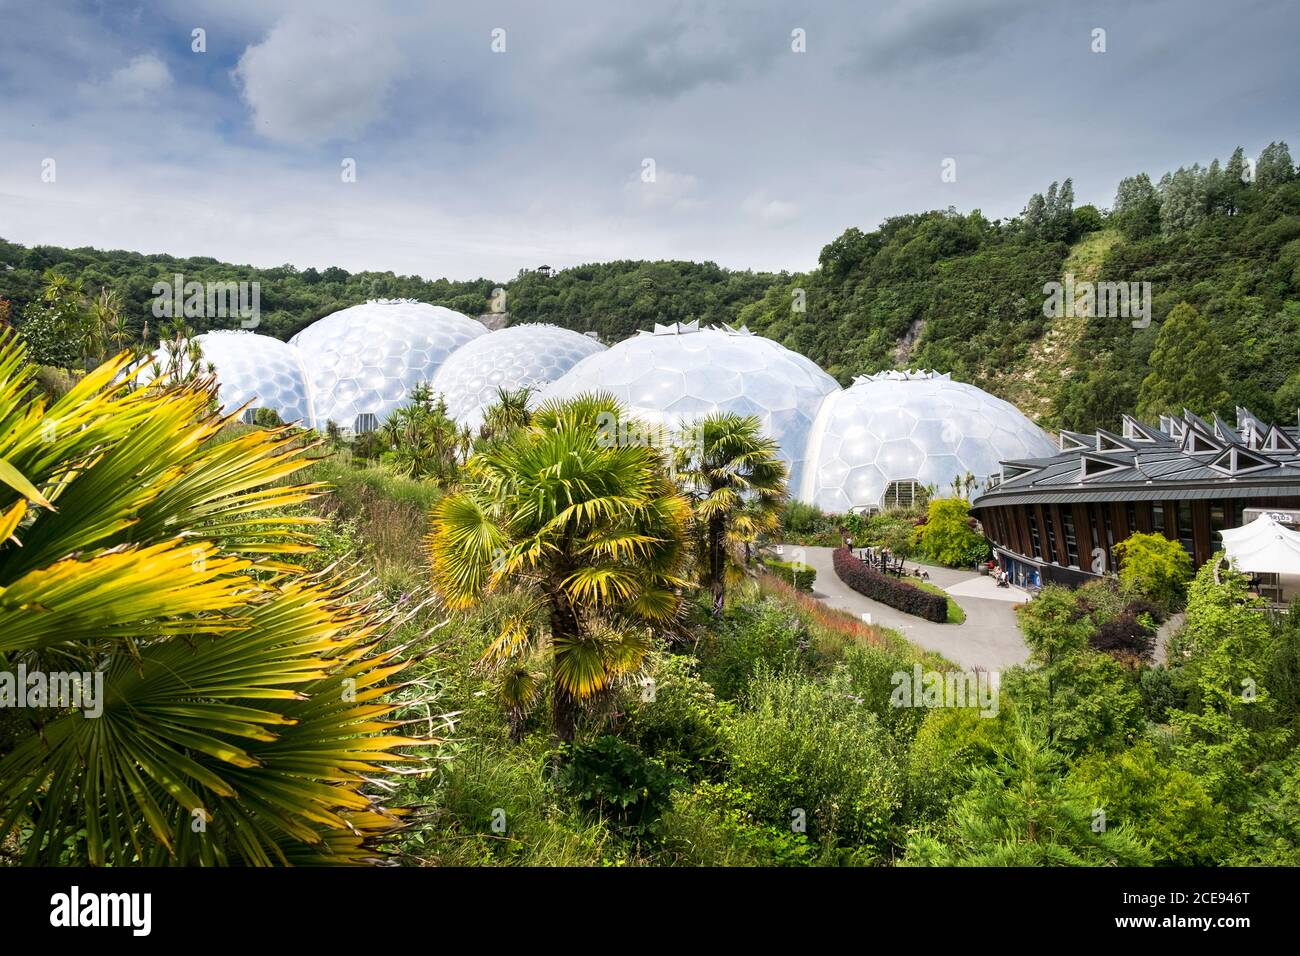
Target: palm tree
592, 532
509, 411
423, 439
734, 478
241, 714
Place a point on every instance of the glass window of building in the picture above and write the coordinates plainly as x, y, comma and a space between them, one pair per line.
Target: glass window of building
1071, 542
1186, 536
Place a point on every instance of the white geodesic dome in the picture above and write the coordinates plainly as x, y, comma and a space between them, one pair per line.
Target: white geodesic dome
365, 360
256, 370
910, 427
679, 373
509, 358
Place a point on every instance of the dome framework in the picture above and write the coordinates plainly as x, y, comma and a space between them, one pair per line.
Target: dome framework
910, 429
518, 356
680, 373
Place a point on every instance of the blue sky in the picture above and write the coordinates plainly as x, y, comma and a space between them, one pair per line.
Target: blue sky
472, 162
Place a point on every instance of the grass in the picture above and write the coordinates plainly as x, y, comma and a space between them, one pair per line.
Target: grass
390, 511
955, 614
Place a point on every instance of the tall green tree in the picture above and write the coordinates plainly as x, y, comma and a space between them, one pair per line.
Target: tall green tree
1229, 725
1187, 366
1085, 699
593, 532
726, 463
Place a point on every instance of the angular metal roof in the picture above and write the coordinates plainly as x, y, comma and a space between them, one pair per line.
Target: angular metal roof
1149, 463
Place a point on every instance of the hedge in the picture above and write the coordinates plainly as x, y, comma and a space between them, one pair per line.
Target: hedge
800, 576
868, 581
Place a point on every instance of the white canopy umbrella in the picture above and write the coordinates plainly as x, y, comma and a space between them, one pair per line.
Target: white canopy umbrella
1263, 546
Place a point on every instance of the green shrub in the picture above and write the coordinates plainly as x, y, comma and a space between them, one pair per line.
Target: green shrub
1165, 806
948, 744
869, 673
714, 825
616, 780
1020, 810
800, 518
948, 535
765, 633
491, 806
1155, 567
1271, 825
675, 717
798, 575
809, 752
1088, 702
1160, 693
893, 530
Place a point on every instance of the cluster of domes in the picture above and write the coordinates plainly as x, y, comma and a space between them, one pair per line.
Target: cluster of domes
355, 367
846, 448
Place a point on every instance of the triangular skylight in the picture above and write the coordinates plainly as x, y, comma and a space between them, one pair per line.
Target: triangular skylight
1239, 460
1225, 432
1197, 442
1090, 466
1135, 430
1279, 440
1109, 441
1070, 441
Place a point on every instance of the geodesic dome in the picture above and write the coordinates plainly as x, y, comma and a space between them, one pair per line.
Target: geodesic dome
364, 360
510, 358
679, 373
258, 370
910, 427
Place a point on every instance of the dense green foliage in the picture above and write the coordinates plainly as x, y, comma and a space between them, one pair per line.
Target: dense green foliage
800, 576
1154, 567
600, 713
949, 536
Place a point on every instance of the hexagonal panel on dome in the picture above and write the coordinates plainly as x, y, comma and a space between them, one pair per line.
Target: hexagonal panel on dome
681, 372
257, 370
366, 359
509, 358
911, 426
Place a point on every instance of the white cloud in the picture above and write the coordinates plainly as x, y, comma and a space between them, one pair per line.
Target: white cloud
668, 190
314, 79
770, 212
143, 77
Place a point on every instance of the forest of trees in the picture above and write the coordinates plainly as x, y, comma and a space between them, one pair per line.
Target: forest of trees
955, 292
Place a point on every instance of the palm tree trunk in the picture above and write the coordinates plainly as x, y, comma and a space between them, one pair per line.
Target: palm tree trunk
564, 706
717, 564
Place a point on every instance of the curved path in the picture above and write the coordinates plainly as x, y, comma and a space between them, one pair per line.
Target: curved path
988, 639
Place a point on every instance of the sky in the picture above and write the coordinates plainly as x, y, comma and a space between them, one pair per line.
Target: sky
489, 137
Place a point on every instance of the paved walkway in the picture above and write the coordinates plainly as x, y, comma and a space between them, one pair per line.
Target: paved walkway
988, 639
